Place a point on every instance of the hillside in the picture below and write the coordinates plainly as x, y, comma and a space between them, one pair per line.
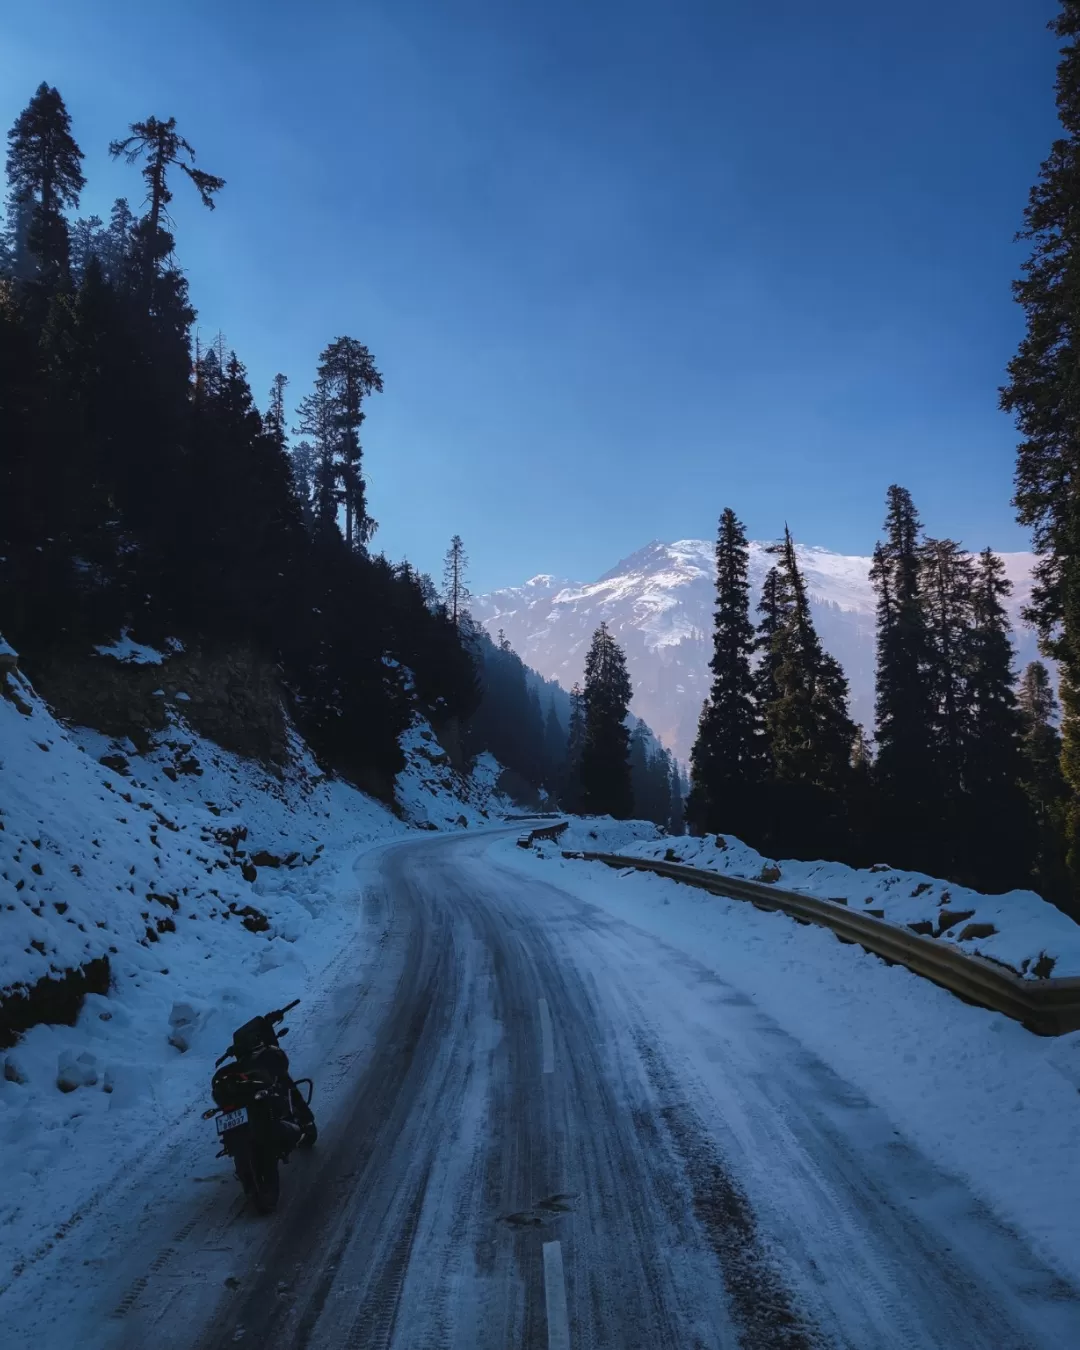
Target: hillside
190, 884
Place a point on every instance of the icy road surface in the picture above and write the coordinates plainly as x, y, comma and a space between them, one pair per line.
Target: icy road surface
543, 1128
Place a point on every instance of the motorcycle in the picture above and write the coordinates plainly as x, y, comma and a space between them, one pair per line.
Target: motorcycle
262, 1114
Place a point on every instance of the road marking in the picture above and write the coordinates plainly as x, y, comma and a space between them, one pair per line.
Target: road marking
558, 1323
547, 1043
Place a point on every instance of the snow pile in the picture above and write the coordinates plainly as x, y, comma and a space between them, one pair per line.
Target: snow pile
1019, 929
976, 1092
601, 834
214, 888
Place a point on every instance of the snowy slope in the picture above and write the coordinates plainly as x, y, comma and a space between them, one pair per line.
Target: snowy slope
215, 889
659, 603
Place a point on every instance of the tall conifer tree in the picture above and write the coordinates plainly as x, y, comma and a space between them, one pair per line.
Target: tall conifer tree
774, 609
1041, 393
347, 375
1000, 839
456, 595
809, 730
905, 769
728, 756
163, 148
44, 176
1044, 782
946, 584
605, 760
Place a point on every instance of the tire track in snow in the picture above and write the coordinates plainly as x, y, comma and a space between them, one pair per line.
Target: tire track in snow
760, 1304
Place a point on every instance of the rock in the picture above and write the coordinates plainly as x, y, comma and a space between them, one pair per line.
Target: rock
770, 874
249, 872
254, 920
117, 763
265, 859
184, 1021
977, 930
14, 1071
76, 1071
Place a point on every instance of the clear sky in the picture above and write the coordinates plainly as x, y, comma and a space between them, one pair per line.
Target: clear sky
620, 264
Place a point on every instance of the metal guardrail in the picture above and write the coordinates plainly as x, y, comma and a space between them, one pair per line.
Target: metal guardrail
1049, 1007
546, 832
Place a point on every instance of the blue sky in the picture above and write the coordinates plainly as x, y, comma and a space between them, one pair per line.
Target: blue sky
620, 264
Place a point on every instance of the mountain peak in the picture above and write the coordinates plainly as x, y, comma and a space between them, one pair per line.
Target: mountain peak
658, 601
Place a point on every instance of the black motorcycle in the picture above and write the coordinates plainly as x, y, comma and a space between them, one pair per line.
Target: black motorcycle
262, 1114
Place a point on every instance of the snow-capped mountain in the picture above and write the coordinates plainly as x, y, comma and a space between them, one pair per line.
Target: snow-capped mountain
659, 601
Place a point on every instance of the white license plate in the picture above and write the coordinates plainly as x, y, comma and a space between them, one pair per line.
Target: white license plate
231, 1119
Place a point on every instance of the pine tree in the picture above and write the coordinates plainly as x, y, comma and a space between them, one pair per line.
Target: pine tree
905, 769
575, 743
315, 420
1040, 394
554, 753
809, 730
275, 412
304, 463
116, 245
1001, 836
347, 376
163, 148
640, 784
1044, 783
727, 761
87, 236
677, 820
946, 584
605, 761
774, 608
456, 594
44, 176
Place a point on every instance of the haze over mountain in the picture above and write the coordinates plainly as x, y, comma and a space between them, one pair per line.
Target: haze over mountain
659, 603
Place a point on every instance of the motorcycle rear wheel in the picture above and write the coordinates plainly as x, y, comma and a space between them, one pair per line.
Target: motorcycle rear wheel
257, 1169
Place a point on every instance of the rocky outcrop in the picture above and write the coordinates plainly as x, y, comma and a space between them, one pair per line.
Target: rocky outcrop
232, 697
54, 998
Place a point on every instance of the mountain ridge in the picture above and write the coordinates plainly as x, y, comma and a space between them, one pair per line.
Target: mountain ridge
658, 601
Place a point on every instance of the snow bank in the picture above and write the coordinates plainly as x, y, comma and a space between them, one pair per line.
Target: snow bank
982, 1097
1018, 929
603, 834
215, 888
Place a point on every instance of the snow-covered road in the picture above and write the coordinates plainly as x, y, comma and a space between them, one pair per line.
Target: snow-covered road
543, 1127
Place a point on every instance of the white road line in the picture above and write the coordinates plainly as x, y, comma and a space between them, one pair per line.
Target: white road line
547, 1042
558, 1323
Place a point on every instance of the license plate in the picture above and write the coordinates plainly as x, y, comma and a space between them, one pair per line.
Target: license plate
231, 1119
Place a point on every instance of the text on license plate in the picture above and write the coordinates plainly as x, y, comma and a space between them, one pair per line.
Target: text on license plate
231, 1119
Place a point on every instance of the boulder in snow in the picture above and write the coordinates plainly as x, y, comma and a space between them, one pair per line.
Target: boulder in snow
184, 1021
76, 1071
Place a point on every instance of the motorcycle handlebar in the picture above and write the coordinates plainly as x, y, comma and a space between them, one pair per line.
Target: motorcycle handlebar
274, 1016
